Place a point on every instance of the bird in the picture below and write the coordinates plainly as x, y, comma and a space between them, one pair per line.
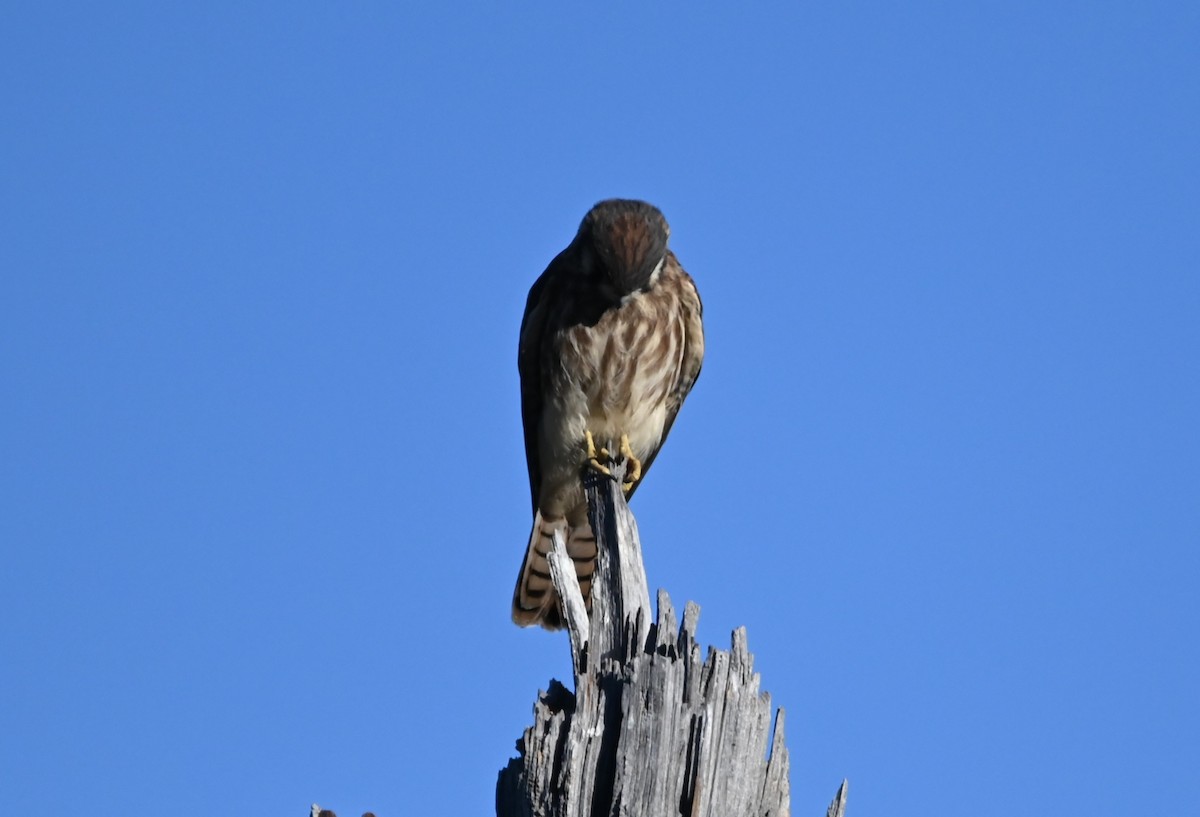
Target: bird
611, 343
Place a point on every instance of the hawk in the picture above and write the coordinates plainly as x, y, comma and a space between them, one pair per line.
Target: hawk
611, 344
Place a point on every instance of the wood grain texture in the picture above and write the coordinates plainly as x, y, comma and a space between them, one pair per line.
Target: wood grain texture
652, 728
838, 807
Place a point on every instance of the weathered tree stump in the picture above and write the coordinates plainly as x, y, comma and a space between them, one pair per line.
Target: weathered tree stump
651, 730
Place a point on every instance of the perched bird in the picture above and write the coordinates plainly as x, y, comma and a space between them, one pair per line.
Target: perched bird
611, 344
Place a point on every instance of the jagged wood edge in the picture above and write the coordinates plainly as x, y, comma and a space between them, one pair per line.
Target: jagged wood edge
712, 710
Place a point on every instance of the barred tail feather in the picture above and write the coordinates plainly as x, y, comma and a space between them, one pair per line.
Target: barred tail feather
535, 601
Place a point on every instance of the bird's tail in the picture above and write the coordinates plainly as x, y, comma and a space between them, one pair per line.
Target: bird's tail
535, 601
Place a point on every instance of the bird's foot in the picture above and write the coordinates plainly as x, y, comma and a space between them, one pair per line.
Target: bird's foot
633, 469
597, 458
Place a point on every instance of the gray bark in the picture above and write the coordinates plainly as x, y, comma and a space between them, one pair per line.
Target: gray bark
651, 730
317, 811
838, 807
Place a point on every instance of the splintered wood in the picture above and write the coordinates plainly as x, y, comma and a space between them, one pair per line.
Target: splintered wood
651, 728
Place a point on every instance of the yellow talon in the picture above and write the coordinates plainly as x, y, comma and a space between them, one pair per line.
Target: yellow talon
598, 460
633, 471
594, 457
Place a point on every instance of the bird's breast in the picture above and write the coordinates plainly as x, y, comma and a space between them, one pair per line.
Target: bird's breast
619, 372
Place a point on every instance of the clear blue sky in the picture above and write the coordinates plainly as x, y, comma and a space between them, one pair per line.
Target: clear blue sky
261, 472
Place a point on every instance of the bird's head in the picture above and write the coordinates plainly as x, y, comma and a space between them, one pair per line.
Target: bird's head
623, 243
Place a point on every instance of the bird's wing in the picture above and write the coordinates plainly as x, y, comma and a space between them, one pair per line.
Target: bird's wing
535, 329
691, 311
